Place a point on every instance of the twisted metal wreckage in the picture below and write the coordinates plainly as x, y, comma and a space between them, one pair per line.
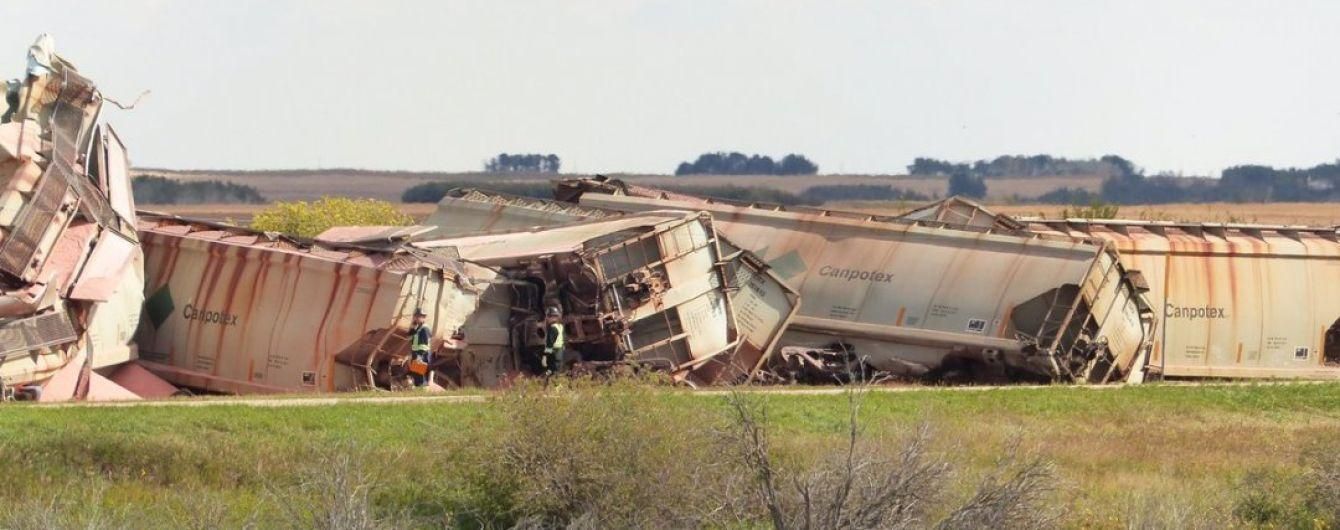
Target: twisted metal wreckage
99, 301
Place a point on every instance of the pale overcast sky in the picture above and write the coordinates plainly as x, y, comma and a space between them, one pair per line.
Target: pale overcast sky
638, 86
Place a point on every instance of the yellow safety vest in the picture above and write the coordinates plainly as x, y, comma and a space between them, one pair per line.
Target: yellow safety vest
416, 343
557, 329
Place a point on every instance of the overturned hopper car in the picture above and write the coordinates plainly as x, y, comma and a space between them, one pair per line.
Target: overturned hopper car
762, 302
930, 298
1235, 300
650, 289
238, 311
70, 276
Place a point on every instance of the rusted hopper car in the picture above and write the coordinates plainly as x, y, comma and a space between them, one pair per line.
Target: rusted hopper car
238, 311
70, 276
923, 297
650, 289
1234, 300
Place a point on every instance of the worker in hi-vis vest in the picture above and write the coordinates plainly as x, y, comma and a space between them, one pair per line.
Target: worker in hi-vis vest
553, 341
419, 337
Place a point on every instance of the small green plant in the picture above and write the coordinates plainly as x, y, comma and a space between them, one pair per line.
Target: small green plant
1095, 210
307, 219
1276, 499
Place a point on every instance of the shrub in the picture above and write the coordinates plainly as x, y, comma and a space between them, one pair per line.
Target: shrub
1095, 210
304, 219
597, 455
859, 486
334, 491
1274, 499
1322, 478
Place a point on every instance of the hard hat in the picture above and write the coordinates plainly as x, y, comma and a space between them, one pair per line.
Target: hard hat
419, 312
554, 311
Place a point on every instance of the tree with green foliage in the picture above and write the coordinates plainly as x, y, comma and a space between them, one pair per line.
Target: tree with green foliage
307, 219
523, 163
736, 163
961, 183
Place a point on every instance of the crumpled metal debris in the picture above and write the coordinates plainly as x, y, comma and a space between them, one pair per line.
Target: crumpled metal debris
70, 265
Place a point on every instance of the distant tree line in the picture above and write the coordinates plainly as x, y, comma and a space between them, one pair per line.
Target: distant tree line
523, 163
735, 163
431, 192
154, 189
1244, 183
1015, 166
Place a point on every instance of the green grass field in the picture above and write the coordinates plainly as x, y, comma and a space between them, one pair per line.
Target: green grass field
1212, 456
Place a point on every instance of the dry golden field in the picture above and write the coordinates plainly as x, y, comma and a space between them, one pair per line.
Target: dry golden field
1312, 214
242, 212
388, 185
1003, 194
1023, 187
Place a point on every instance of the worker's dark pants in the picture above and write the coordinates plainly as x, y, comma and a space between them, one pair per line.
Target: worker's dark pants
421, 380
553, 360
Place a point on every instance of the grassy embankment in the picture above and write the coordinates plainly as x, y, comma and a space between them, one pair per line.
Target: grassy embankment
1203, 455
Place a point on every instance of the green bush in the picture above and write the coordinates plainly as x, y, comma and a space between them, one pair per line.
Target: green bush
304, 219
1275, 500
1095, 210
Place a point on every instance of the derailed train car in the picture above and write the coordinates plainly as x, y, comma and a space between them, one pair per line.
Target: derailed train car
1234, 300
70, 275
931, 298
650, 289
763, 303
238, 311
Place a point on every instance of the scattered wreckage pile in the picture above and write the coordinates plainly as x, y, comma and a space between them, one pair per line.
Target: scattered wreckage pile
71, 271
99, 301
